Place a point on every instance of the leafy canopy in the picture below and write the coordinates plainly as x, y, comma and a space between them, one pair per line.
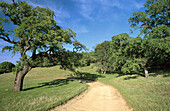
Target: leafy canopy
35, 31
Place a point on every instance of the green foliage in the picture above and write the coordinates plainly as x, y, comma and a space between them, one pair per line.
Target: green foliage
154, 23
46, 62
36, 32
102, 54
88, 58
78, 46
128, 54
119, 51
6, 67
155, 16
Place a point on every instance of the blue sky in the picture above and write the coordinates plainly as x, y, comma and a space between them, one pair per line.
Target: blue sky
94, 21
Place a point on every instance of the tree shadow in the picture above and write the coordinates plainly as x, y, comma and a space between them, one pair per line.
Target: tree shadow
113, 72
61, 82
129, 74
156, 72
85, 76
54, 83
152, 73
131, 77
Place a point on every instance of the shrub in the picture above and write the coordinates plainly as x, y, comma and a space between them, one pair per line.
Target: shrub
6, 67
46, 62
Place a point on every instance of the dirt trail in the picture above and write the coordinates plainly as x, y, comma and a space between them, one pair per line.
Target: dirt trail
99, 97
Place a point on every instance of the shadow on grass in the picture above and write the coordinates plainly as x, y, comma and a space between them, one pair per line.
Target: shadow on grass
152, 73
130, 74
85, 76
61, 82
54, 83
164, 73
131, 77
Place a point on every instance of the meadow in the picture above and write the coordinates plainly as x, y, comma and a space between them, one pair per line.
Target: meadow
46, 88
141, 94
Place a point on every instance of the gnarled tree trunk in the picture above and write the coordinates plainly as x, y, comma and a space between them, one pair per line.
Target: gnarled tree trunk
18, 83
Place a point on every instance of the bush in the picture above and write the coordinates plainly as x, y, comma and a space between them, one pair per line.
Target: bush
6, 67
46, 62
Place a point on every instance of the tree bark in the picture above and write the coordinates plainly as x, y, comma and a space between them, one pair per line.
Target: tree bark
146, 72
18, 83
104, 72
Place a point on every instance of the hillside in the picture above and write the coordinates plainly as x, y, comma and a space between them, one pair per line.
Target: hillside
44, 88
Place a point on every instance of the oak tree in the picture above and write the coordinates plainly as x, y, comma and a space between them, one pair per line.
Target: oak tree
102, 54
35, 34
154, 23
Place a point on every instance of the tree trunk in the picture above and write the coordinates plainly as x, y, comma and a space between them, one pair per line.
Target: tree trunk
104, 71
146, 72
18, 83
101, 71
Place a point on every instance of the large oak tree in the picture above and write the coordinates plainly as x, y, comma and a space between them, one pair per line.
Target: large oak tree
35, 34
154, 23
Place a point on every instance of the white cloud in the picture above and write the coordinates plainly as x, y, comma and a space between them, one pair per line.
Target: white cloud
138, 5
81, 29
78, 28
110, 3
88, 8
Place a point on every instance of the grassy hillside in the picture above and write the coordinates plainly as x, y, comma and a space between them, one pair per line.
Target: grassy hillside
44, 88
142, 94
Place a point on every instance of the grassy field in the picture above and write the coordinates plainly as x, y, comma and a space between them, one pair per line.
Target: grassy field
142, 94
44, 88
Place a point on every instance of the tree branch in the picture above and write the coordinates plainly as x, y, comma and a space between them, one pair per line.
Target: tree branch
8, 40
28, 46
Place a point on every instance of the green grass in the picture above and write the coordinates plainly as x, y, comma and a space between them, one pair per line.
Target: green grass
152, 94
44, 88
142, 94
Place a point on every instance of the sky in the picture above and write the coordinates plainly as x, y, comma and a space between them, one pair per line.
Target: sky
94, 21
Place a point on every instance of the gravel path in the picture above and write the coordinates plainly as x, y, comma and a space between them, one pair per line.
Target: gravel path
98, 97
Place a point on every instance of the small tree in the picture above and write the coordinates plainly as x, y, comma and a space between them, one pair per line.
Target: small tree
35, 31
129, 54
118, 45
6, 67
102, 54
